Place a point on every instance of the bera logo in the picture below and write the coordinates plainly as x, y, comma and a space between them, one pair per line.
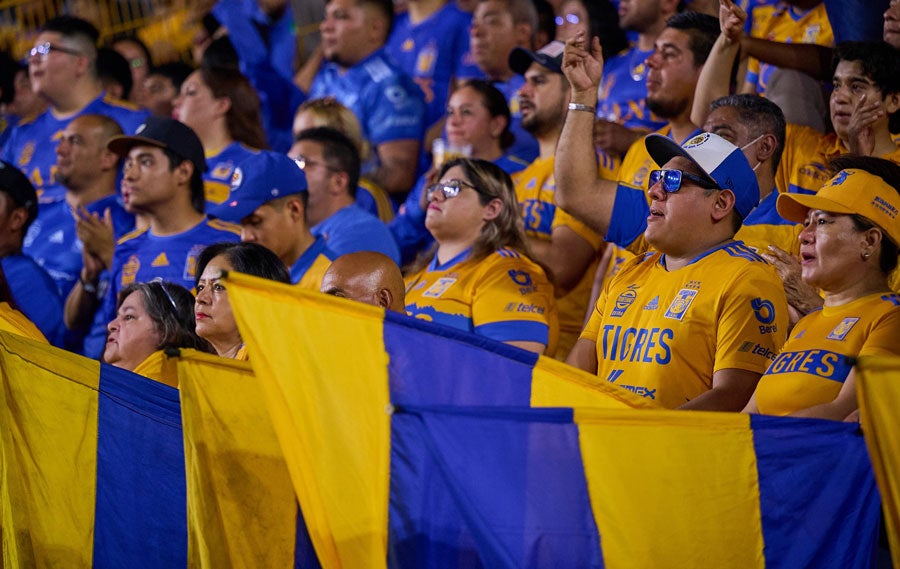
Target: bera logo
764, 311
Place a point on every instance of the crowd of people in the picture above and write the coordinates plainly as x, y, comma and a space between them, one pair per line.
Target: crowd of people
699, 204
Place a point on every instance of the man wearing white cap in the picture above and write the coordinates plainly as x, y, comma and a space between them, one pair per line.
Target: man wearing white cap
695, 323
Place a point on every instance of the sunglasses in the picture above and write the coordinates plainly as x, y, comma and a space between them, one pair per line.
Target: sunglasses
450, 189
672, 179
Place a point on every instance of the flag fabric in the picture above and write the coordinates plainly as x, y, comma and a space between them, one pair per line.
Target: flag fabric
878, 393
91, 463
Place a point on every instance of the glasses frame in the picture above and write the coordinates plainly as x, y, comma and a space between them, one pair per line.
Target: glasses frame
302, 162
674, 184
451, 188
43, 50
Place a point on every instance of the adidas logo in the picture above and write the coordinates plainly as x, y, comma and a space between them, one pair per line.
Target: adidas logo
56, 237
653, 304
160, 261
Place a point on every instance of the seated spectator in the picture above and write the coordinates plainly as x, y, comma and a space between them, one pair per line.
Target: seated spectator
114, 74
327, 111
223, 109
212, 309
140, 65
477, 120
162, 86
369, 277
331, 164
150, 318
848, 247
481, 278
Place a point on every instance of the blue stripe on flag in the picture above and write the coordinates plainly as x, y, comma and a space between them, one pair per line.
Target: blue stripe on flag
415, 345
803, 467
489, 487
304, 553
141, 515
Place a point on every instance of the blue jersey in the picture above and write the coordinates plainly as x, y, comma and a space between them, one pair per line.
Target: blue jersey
351, 229
623, 91
34, 292
525, 146
408, 227
51, 239
312, 264
217, 179
433, 52
32, 144
141, 256
387, 103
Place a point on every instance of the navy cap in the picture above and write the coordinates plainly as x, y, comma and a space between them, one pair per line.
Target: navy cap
22, 192
258, 179
550, 56
163, 133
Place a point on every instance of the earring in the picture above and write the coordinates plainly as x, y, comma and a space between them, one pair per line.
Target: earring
866, 254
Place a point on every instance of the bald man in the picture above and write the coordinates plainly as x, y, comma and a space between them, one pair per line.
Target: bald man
366, 276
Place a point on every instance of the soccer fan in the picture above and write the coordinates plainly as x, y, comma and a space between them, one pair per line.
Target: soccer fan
163, 85
63, 70
359, 74
140, 64
269, 196
695, 322
369, 277
331, 164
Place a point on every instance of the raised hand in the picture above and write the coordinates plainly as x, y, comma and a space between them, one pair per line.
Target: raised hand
583, 68
731, 21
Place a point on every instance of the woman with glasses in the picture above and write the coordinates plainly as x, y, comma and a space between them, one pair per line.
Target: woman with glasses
480, 278
212, 310
848, 250
224, 110
477, 125
151, 317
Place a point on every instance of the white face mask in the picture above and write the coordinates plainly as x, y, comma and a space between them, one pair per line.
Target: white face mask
751, 143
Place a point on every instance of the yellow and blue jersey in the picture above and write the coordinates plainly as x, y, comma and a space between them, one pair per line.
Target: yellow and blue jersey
818, 357
32, 145
220, 169
781, 22
504, 296
623, 91
663, 334
309, 269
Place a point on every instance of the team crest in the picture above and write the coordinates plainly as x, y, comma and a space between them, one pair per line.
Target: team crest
190, 263
841, 330
27, 154
130, 270
236, 178
425, 60
624, 300
439, 287
697, 140
222, 170
680, 305
811, 33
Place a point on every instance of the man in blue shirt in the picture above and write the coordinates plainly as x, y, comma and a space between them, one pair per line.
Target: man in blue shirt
359, 74
331, 164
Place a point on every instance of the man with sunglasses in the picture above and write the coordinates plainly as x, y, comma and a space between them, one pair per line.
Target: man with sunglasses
695, 323
63, 70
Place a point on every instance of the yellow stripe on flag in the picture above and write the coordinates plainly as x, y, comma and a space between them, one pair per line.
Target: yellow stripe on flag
555, 384
701, 508
335, 432
242, 510
878, 393
48, 449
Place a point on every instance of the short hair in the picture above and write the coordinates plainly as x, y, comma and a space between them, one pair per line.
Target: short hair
8, 69
112, 66
171, 308
78, 31
702, 29
761, 116
339, 152
198, 194
385, 9
890, 173
175, 71
496, 105
244, 116
245, 257
879, 61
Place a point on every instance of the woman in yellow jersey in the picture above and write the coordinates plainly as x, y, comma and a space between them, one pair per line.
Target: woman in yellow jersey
480, 278
212, 310
150, 318
848, 249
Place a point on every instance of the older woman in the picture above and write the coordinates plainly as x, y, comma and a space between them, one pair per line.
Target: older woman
151, 317
848, 248
215, 321
224, 110
481, 278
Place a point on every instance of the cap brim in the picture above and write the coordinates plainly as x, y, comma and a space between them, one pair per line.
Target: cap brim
520, 59
662, 149
794, 207
122, 145
233, 211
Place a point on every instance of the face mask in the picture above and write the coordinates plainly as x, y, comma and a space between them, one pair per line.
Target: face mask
751, 143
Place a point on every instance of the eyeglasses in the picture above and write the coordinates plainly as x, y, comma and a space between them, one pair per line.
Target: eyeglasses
303, 162
42, 51
671, 180
450, 189
571, 18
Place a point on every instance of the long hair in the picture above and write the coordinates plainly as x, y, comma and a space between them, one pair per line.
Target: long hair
250, 258
244, 116
328, 111
495, 103
171, 308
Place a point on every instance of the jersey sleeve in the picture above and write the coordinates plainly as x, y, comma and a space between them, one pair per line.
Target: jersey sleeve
882, 339
629, 216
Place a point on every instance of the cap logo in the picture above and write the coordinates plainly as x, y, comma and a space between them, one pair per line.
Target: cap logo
553, 49
696, 141
884, 207
140, 129
840, 178
236, 178
275, 192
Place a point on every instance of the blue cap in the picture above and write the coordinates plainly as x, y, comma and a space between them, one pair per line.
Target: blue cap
261, 178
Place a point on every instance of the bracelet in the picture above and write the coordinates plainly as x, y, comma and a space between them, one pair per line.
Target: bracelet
89, 288
580, 107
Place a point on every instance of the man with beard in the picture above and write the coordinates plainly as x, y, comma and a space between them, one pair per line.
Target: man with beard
359, 74
564, 245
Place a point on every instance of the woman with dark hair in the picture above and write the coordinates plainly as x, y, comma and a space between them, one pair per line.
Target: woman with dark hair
481, 278
212, 310
150, 318
222, 107
596, 18
477, 119
848, 250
